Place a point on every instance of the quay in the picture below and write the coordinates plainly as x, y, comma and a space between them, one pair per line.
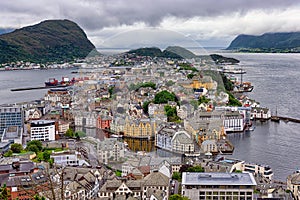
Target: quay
288, 119
37, 88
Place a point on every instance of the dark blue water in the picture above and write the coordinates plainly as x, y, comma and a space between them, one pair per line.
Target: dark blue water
276, 81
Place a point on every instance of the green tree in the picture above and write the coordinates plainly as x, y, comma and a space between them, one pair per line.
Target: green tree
16, 148
37, 197
196, 168
32, 148
146, 106
46, 155
164, 96
178, 197
176, 176
233, 101
37, 143
171, 113
203, 99
190, 76
69, 133
4, 193
9, 153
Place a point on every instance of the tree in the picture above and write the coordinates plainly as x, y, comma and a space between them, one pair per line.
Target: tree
176, 176
171, 113
16, 148
146, 107
46, 155
177, 197
33, 148
164, 96
4, 193
8, 153
69, 133
203, 99
196, 168
37, 143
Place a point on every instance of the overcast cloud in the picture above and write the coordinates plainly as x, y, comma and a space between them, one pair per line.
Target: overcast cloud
213, 22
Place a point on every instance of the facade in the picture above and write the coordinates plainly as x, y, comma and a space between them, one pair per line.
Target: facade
103, 122
11, 116
218, 185
141, 128
139, 189
260, 113
173, 137
111, 150
293, 184
42, 130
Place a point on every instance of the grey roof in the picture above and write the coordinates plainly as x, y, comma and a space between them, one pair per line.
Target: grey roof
183, 138
195, 178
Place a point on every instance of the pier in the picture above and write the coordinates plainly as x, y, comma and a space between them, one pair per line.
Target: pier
38, 88
288, 119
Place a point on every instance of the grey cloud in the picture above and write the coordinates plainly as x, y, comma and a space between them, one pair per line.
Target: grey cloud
95, 14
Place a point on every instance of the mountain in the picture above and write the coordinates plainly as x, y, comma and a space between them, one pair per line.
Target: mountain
48, 41
170, 52
268, 42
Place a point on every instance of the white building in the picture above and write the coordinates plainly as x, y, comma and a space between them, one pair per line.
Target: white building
69, 158
43, 130
218, 185
111, 150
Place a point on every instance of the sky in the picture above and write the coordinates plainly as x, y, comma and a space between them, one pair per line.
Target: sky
124, 23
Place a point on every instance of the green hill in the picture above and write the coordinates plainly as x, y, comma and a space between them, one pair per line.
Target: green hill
268, 42
48, 41
169, 52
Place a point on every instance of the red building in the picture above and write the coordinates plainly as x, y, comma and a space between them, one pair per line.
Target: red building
103, 122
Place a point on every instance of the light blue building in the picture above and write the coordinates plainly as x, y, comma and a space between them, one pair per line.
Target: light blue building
11, 115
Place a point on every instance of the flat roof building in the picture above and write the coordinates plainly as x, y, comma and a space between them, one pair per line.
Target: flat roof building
10, 115
218, 186
43, 130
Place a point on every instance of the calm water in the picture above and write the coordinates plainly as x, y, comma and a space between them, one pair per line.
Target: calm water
276, 81
275, 77
27, 78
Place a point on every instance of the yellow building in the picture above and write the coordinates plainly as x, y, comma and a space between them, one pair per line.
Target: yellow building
201, 82
141, 128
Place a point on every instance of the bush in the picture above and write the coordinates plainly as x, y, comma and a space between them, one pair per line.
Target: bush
16, 148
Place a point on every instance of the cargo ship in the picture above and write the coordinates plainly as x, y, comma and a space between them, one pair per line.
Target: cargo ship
64, 82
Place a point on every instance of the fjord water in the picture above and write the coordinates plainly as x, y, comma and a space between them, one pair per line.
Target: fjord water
27, 78
276, 84
276, 81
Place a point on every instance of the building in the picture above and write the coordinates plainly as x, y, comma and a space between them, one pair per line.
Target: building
12, 134
154, 183
141, 128
111, 150
293, 184
43, 130
11, 116
218, 185
103, 121
69, 158
260, 113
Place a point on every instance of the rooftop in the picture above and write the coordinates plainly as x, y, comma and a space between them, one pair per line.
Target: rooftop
194, 178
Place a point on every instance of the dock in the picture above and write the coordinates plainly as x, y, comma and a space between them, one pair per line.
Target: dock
288, 119
37, 88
